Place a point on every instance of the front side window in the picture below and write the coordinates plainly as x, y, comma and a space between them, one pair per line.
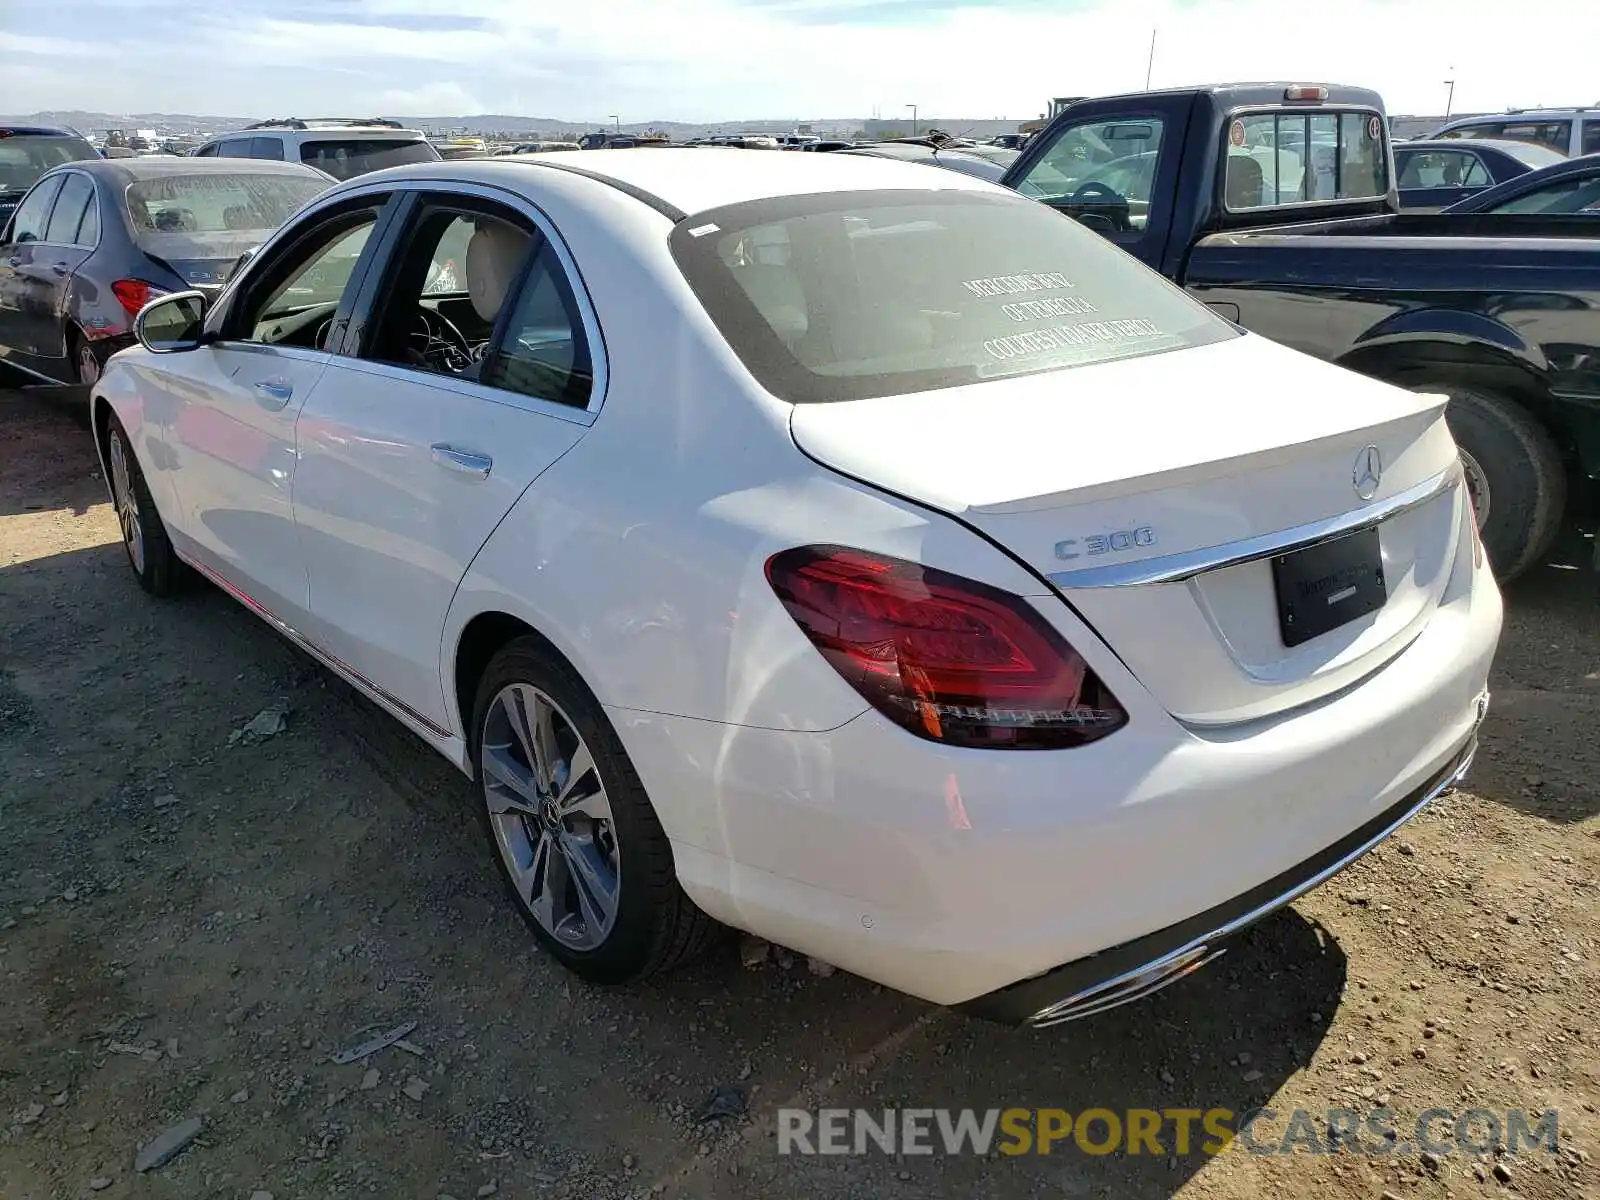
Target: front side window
849, 295
33, 215
77, 193
1280, 158
347, 157
1580, 195
1103, 167
295, 299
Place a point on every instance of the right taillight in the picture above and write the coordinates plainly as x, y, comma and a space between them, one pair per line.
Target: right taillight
950, 659
134, 294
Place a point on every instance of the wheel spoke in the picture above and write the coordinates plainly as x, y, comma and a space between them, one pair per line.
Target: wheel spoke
547, 752
595, 885
544, 883
510, 785
514, 703
579, 791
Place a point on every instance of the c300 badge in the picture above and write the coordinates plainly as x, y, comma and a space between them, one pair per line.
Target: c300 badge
1117, 542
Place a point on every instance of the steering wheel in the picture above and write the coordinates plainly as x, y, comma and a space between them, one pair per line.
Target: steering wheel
1097, 195
439, 341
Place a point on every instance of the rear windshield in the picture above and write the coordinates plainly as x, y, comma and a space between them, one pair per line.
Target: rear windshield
25, 157
854, 294
1303, 157
206, 215
347, 157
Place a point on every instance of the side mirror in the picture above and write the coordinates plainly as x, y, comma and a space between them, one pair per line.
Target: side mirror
171, 323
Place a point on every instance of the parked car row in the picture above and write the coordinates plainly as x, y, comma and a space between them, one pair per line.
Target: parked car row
988, 574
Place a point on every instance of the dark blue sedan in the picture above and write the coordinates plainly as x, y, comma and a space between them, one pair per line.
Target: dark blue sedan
1434, 174
93, 241
1569, 188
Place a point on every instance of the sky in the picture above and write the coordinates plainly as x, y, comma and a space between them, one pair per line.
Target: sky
716, 60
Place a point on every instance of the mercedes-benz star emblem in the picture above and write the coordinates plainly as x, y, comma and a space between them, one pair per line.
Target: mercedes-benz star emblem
1368, 472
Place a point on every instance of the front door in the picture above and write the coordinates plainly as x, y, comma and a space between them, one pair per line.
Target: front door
229, 408
464, 389
21, 256
1112, 167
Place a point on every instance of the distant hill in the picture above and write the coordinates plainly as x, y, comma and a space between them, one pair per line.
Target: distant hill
483, 124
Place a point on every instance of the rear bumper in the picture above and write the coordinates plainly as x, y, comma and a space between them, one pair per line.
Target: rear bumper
1144, 966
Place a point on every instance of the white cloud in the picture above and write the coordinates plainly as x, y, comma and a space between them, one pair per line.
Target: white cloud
723, 59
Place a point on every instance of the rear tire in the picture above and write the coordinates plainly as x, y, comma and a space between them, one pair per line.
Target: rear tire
86, 367
1515, 476
144, 538
606, 901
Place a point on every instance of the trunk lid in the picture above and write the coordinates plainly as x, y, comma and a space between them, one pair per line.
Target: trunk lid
1117, 480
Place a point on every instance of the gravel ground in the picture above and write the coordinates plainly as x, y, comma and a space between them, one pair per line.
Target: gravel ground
191, 929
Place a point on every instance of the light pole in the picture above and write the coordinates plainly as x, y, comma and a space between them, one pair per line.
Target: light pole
913, 109
1450, 98
616, 121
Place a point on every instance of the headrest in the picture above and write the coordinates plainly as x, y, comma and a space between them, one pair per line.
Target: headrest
494, 256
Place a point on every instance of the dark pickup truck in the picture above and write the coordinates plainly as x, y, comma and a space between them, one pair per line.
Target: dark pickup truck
1276, 205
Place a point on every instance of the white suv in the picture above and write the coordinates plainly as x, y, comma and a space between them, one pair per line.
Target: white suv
1569, 131
341, 146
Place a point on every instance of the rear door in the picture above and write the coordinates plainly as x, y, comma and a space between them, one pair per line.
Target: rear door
69, 239
410, 453
1113, 167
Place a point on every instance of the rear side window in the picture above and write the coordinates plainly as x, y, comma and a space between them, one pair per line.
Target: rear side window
234, 148
348, 157
267, 147
77, 193
1280, 158
544, 353
1553, 135
848, 295
1591, 136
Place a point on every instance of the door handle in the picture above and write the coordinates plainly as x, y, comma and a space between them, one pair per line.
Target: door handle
14, 261
273, 393
59, 269
476, 465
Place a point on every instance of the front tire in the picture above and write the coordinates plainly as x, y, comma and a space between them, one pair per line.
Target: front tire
1514, 473
578, 844
144, 537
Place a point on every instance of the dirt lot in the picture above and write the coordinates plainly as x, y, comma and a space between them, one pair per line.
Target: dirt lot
192, 928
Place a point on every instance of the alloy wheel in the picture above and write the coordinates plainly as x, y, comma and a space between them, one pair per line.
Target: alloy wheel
551, 816
125, 502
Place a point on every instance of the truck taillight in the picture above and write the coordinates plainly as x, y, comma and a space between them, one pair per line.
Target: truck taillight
950, 659
1306, 92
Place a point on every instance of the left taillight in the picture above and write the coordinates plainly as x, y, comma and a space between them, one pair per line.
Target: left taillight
950, 659
134, 294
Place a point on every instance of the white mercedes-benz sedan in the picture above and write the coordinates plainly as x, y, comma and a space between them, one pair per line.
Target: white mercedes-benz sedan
858, 555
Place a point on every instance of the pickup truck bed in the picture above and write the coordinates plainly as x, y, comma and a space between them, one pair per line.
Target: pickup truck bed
1500, 312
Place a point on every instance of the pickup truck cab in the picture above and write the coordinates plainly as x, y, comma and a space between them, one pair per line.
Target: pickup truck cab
1276, 204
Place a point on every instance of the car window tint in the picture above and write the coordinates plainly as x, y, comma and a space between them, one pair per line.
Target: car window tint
842, 296
32, 215
76, 192
344, 158
1591, 136
1555, 135
234, 148
315, 282
267, 147
544, 353
1442, 168
209, 150
1566, 196
1106, 168
89, 227
1294, 157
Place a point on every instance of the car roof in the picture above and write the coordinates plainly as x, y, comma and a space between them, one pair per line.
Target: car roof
1239, 95
1525, 152
682, 180
1513, 115
130, 170
39, 131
